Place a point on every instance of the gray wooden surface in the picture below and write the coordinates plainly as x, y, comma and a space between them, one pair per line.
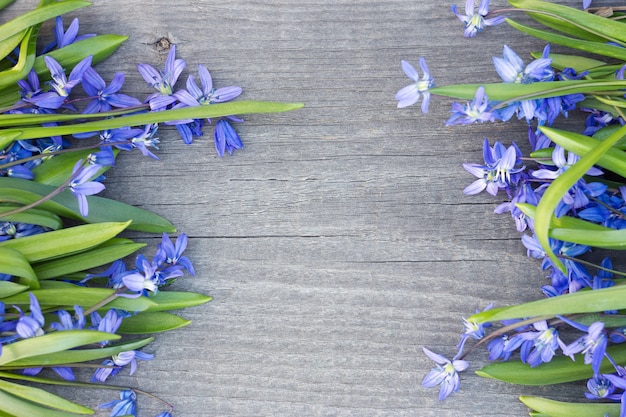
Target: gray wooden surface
338, 242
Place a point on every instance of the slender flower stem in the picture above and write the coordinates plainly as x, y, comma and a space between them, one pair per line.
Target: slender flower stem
43, 199
504, 330
104, 301
569, 258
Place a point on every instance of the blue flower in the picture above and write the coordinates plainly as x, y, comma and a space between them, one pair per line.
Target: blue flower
592, 345
197, 96
62, 38
147, 139
67, 322
473, 330
545, 340
226, 138
476, 22
172, 254
475, 111
499, 170
410, 94
32, 325
108, 324
164, 81
60, 83
105, 97
164, 414
114, 365
511, 68
586, 4
445, 374
81, 185
126, 405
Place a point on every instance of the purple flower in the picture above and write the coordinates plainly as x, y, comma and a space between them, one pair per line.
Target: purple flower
172, 254
62, 38
126, 405
105, 97
60, 83
226, 138
410, 94
164, 81
197, 96
32, 325
499, 170
473, 330
82, 186
114, 365
476, 22
445, 374
545, 341
586, 4
600, 388
592, 345
475, 111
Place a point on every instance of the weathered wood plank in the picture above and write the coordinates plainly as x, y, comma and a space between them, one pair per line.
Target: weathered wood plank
338, 242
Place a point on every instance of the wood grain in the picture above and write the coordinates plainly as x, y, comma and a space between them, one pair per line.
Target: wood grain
338, 242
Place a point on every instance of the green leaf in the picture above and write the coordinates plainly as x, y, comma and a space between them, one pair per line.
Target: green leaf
612, 159
576, 62
31, 216
100, 47
18, 407
173, 300
64, 242
613, 298
596, 25
8, 288
67, 295
152, 322
5, 3
98, 256
607, 239
43, 397
100, 209
38, 15
25, 61
506, 93
10, 44
59, 168
13, 262
197, 112
559, 370
554, 193
68, 357
566, 222
562, 409
599, 48
51, 343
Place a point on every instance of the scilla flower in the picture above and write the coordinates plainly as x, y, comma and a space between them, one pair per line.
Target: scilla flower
476, 22
445, 374
410, 94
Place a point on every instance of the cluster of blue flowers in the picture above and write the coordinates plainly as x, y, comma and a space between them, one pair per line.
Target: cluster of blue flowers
148, 275
58, 95
505, 171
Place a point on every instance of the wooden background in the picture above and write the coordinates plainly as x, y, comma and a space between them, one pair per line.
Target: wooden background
338, 242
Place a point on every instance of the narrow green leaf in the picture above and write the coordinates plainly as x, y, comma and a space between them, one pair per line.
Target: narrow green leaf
52, 342
607, 239
37, 16
14, 263
100, 47
562, 409
510, 92
152, 322
559, 370
576, 62
197, 112
18, 407
66, 295
566, 222
8, 288
554, 193
59, 168
42, 397
174, 300
25, 60
606, 28
5, 3
612, 159
613, 298
100, 209
32, 216
83, 261
597, 48
64, 242
10, 44
68, 357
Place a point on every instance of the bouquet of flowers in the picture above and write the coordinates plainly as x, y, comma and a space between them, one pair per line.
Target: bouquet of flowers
67, 298
567, 196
